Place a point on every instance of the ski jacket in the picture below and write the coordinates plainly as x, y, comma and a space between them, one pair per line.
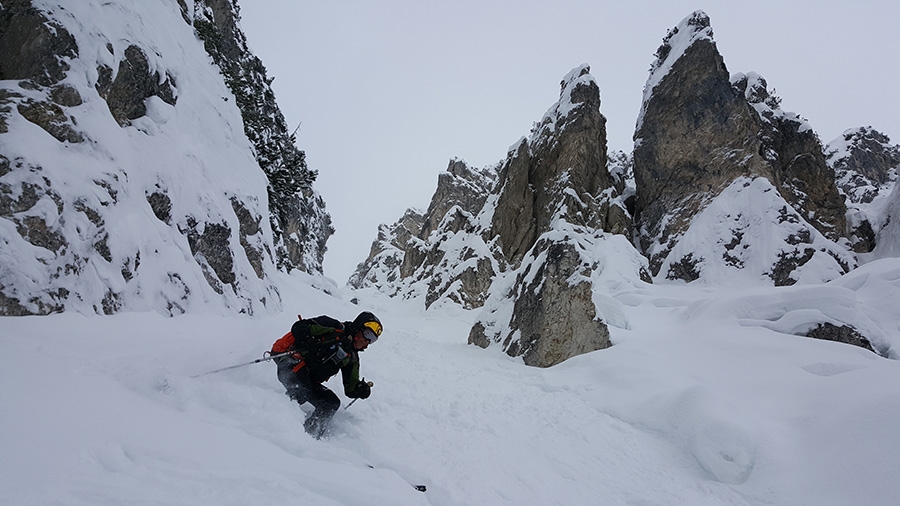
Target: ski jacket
321, 350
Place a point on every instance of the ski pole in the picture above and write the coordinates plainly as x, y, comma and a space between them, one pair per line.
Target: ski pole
264, 359
354, 400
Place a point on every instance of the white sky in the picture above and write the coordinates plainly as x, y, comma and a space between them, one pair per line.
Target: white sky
389, 91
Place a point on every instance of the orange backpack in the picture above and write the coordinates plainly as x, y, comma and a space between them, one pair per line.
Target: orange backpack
285, 342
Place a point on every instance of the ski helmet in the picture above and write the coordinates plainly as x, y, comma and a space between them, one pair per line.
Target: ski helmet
368, 321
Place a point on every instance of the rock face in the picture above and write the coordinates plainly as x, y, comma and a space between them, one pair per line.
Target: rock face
864, 161
555, 191
438, 254
865, 165
124, 187
133, 84
526, 240
688, 146
800, 170
700, 132
33, 47
297, 213
887, 240
723, 186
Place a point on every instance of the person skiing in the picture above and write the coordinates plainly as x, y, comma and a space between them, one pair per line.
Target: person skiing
323, 347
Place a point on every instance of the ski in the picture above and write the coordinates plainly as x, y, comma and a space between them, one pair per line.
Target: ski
420, 488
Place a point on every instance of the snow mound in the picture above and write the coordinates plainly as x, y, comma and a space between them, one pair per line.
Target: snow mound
749, 233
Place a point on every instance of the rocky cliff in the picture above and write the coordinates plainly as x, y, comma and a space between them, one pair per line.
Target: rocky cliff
865, 165
525, 240
127, 180
300, 224
702, 143
723, 185
439, 254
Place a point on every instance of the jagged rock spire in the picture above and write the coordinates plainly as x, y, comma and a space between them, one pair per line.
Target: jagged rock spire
524, 239
700, 132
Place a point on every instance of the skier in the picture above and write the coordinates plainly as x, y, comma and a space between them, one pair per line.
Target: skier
323, 346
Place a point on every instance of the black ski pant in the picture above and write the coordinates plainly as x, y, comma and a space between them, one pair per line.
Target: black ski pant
301, 389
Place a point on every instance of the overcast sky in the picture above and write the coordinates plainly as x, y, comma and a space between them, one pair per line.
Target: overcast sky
388, 91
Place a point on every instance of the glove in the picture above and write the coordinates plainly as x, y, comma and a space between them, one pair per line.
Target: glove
362, 390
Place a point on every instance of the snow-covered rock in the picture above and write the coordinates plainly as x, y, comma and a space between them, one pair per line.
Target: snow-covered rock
888, 239
801, 172
723, 185
865, 165
701, 138
865, 162
300, 224
127, 181
438, 254
526, 238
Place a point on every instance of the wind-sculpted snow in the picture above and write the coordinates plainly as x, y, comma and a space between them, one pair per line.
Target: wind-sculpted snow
863, 300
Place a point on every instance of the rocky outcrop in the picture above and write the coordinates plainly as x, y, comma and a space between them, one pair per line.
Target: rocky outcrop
797, 158
133, 84
383, 268
160, 206
695, 135
843, 334
303, 227
560, 173
865, 165
552, 318
865, 162
527, 240
699, 133
723, 186
555, 191
448, 257
34, 51
438, 254
33, 48
298, 217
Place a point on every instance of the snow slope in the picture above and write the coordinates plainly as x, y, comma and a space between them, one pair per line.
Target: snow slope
703, 400
96, 192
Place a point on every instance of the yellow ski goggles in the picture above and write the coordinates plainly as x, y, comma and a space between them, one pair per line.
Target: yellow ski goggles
375, 327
